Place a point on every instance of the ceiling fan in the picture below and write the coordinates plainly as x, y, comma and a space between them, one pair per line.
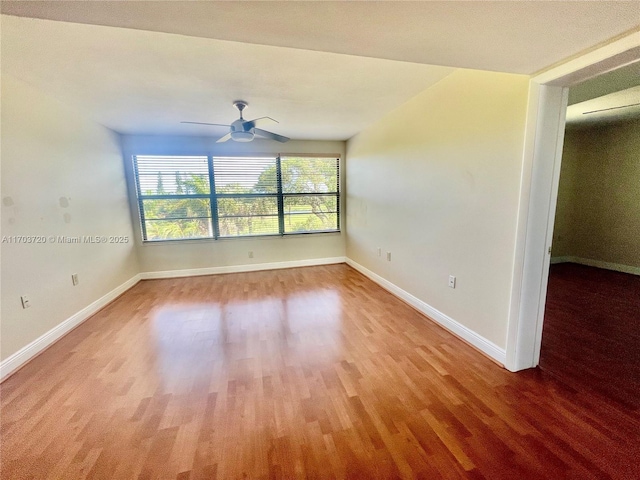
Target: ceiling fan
245, 130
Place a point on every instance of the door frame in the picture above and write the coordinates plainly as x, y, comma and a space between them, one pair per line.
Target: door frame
542, 156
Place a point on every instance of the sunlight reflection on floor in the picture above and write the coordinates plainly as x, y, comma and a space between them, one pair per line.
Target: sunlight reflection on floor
195, 340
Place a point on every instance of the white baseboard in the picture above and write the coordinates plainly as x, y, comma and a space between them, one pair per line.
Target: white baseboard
22, 356
478, 341
617, 267
254, 267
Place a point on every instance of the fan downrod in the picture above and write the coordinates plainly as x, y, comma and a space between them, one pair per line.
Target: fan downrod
240, 105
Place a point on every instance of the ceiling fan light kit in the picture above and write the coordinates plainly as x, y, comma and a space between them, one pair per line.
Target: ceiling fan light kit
240, 136
243, 130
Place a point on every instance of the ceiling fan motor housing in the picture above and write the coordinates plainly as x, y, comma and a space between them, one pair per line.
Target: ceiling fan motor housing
241, 125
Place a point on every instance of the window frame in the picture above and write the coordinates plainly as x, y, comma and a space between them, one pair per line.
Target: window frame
214, 197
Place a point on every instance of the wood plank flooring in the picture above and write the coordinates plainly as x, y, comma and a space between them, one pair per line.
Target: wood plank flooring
304, 373
591, 335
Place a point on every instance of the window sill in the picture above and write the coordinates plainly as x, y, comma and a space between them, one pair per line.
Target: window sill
146, 243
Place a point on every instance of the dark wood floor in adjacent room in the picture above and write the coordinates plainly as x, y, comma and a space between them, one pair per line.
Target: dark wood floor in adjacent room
591, 333
303, 373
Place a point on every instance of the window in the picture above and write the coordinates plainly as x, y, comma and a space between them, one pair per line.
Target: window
182, 197
310, 194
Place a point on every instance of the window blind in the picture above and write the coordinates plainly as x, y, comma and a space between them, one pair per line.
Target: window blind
174, 197
186, 197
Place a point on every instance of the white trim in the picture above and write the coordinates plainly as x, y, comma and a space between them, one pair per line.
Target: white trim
613, 55
554, 174
478, 341
538, 194
22, 356
531, 126
616, 267
254, 267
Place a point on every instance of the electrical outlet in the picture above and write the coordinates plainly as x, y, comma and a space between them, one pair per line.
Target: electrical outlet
452, 281
388, 256
74, 279
26, 303
250, 254
379, 252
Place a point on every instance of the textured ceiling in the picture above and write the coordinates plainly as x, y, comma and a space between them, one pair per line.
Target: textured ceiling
325, 70
140, 82
506, 36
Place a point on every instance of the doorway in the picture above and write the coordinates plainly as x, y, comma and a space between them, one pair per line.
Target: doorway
590, 335
548, 98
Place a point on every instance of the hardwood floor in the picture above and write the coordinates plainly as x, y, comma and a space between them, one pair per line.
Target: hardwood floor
591, 335
304, 373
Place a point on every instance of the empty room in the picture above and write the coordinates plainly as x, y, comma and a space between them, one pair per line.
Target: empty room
281, 240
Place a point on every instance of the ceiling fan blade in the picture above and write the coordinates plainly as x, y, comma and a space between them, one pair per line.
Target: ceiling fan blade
255, 121
212, 124
272, 136
224, 138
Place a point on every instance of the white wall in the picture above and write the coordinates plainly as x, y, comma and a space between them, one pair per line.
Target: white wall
436, 183
61, 175
208, 253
